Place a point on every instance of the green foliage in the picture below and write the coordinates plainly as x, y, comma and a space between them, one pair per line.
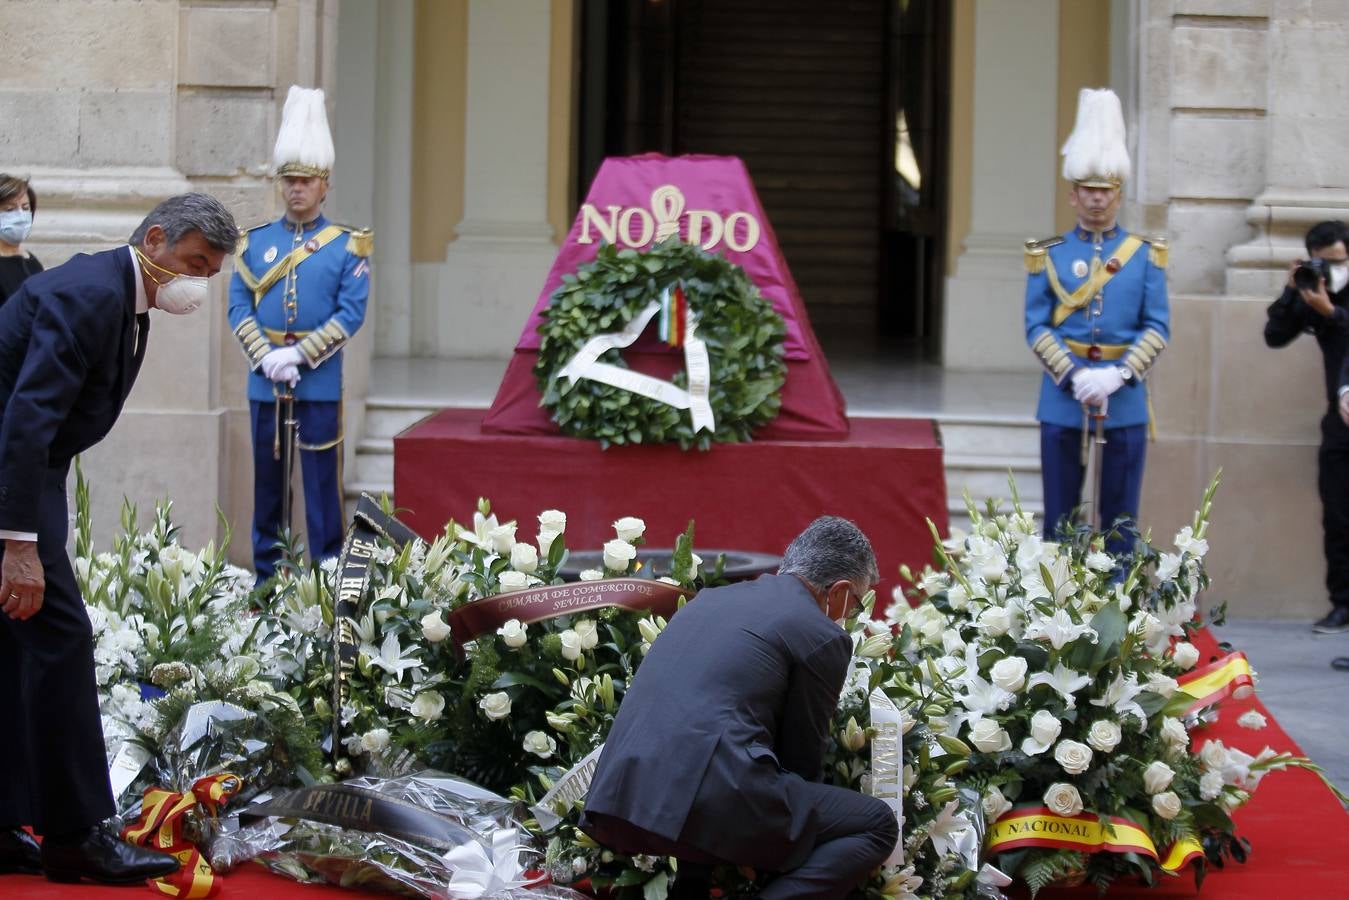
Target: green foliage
743, 334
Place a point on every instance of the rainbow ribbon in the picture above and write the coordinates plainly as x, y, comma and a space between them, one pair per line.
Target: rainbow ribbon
160, 827
674, 307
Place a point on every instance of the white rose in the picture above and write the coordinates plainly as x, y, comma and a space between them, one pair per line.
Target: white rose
1009, 673
589, 633
1044, 730
617, 555
524, 558
1157, 777
995, 621
514, 633
590, 575
496, 706
428, 706
629, 529
989, 737
434, 628
1185, 655
545, 538
957, 597
995, 804
375, 740
512, 581
571, 645
1074, 757
553, 520
1104, 735
502, 538
1166, 805
1252, 720
539, 744
1210, 785
1063, 799
1174, 734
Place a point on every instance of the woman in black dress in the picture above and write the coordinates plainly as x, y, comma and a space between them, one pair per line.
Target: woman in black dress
18, 202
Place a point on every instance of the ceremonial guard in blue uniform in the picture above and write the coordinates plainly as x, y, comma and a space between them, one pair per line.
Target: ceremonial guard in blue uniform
1097, 318
298, 295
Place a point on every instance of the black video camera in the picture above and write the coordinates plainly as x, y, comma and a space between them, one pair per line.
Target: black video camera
1310, 273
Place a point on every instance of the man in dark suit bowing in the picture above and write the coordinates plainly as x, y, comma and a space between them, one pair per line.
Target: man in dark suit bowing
71, 343
716, 753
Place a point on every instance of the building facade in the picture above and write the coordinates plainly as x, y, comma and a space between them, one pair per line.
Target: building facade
465, 130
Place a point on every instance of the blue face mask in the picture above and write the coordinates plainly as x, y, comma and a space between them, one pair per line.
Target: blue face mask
15, 225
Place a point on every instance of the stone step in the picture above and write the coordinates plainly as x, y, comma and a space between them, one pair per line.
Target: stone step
375, 467
1006, 438
384, 419
985, 477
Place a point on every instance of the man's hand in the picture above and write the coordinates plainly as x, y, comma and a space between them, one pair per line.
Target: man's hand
21, 581
1109, 379
1318, 299
1087, 387
282, 364
1344, 406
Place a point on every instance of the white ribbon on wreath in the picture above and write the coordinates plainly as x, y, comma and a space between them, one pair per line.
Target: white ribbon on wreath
585, 364
887, 758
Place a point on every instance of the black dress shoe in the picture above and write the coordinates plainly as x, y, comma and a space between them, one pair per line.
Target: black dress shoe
19, 853
1335, 622
99, 855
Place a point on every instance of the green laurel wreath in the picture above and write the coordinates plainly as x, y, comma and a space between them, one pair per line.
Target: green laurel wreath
743, 334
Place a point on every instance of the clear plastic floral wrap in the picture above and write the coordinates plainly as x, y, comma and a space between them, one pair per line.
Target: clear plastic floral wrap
427, 835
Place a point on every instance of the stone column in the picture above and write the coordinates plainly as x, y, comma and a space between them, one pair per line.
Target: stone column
1013, 186
495, 268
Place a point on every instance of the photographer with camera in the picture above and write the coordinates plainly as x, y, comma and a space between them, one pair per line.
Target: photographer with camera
1315, 300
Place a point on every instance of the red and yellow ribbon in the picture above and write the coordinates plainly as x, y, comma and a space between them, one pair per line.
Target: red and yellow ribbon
1038, 826
1216, 681
160, 827
674, 308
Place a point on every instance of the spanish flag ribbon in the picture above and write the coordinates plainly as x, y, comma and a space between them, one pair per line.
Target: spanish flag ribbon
1217, 681
674, 308
1038, 826
160, 827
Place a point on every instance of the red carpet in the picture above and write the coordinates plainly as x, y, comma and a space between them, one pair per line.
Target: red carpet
1296, 827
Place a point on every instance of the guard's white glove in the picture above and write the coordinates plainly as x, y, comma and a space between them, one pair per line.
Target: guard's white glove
282, 365
1087, 388
1109, 379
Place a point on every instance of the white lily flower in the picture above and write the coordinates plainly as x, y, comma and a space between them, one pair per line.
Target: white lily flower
390, 657
949, 830
1119, 696
1059, 629
1064, 681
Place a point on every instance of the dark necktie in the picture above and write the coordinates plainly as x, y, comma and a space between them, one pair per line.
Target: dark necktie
142, 337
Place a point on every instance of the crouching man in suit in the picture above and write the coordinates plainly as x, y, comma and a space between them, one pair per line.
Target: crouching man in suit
71, 344
716, 753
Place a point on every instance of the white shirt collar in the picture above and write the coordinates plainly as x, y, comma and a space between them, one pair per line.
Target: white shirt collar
142, 301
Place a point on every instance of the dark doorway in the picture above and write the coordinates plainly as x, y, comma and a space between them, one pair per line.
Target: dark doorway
838, 109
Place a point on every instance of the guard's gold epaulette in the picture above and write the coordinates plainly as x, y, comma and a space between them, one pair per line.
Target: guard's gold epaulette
360, 241
242, 245
1158, 250
1037, 251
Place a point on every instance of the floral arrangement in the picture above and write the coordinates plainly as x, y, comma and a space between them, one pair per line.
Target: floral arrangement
742, 333
1063, 669
1030, 675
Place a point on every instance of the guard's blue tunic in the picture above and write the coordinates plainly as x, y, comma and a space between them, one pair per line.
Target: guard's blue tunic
1123, 319
315, 300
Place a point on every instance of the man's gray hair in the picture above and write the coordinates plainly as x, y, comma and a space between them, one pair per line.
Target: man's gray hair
192, 212
829, 550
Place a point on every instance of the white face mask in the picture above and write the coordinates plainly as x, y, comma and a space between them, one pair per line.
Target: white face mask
15, 225
1339, 277
181, 294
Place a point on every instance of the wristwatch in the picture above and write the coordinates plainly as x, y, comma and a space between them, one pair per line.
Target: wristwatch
1126, 373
